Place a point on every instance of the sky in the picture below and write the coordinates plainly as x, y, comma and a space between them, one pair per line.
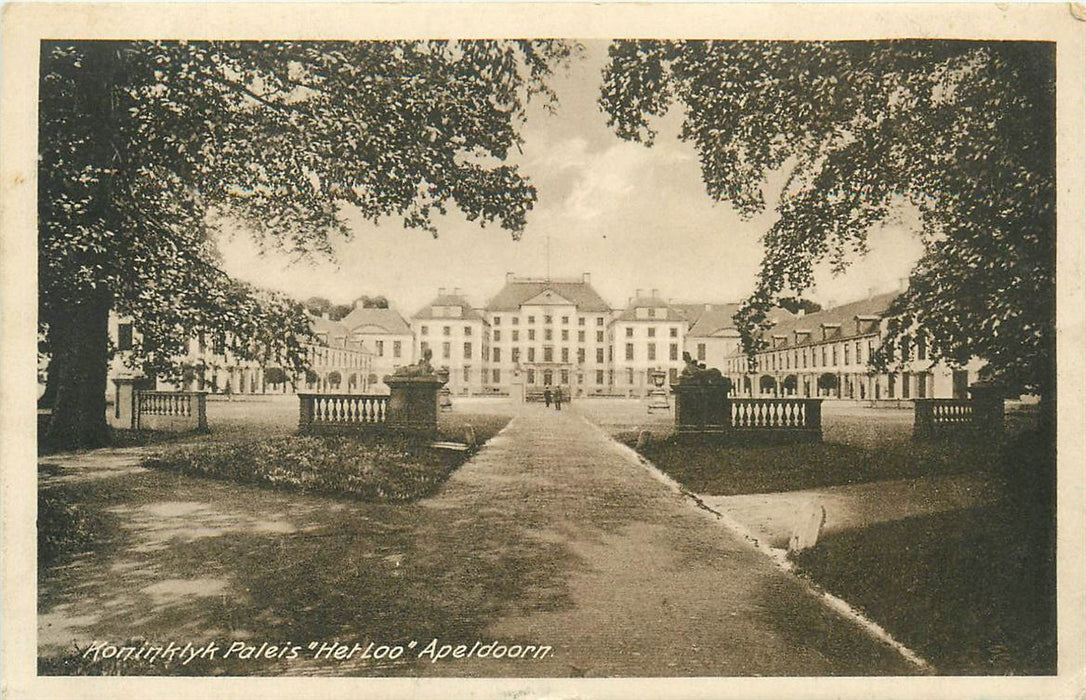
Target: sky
634, 217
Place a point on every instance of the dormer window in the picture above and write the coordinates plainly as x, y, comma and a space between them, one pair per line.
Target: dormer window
867, 324
779, 340
801, 336
829, 330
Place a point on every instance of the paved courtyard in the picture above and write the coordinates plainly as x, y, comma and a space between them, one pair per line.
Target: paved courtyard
553, 534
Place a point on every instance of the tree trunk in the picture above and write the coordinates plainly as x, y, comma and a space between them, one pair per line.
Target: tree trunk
80, 341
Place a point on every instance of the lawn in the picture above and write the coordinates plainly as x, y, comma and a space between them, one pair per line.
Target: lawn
972, 591
164, 554
384, 467
708, 468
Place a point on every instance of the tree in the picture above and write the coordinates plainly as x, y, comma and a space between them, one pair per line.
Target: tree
318, 306
148, 148
339, 311
962, 131
796, 304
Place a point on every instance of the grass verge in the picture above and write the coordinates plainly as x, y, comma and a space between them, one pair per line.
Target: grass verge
376, 467
972, 591
712, 469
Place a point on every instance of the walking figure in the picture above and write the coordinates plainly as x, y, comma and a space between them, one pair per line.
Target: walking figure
558, 398
547, 396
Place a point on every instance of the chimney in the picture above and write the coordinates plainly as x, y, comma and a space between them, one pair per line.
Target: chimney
655, 292
639, 293
508, 277
801, 311
586, 277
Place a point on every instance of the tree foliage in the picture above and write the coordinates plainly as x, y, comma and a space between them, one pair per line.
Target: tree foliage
963, 131
147, 147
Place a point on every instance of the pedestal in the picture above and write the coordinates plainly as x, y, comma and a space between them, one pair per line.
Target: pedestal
412, 403
123, 415
702, 408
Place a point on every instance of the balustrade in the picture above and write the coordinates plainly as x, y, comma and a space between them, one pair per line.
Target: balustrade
341, 410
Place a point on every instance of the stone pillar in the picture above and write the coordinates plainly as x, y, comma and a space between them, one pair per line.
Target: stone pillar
702, 408
412, 403
988, 411
123, 414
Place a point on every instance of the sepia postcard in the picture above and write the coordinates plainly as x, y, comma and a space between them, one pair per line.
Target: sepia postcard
543, 350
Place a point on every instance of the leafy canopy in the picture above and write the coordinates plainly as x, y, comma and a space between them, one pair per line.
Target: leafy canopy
963, 131
146, 147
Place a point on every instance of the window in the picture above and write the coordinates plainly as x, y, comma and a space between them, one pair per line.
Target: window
531, 319
834, 355
467, 351
672, 375
516, 336
921, 348
124, 336
565, 354
531, 376
580, 320
531, 334
804, 359
652, 351
496, 375
599, 355
548, 354
599, 336
516, 321
904, 356
629, 375
580, 355
467, 330
580, 336
497, 321
599, 376
673, 352
565, 334
380, 348
599, 320
652, 332
547, 335
629, 331
674, 332
629, 351
446, 330
425, 330
565, 320
848, 354
515, 352
652, 313
531, 354
547, 319
446, 350
859, 350
823, 355
701, 352
497, 336
565, 376
467, 374
423, 347
397, 348
497, 354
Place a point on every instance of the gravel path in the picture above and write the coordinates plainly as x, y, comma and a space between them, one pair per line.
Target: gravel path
648, 586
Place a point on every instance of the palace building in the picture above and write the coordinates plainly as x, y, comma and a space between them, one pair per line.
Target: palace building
826, 354
560, 333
